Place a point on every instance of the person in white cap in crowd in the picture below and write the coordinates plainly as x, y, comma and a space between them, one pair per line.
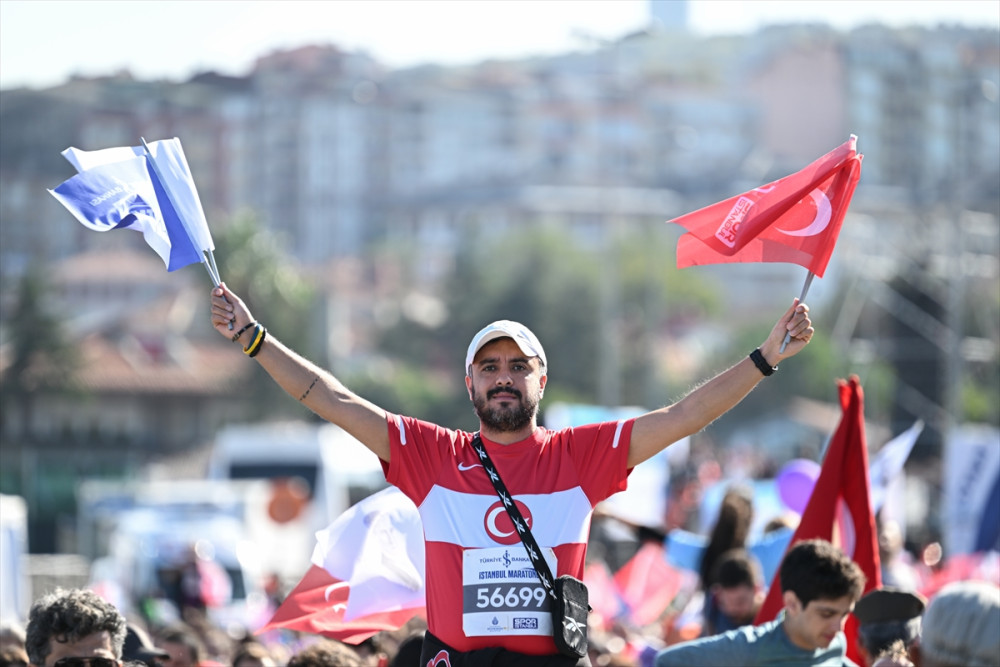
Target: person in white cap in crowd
483, 606
961, 626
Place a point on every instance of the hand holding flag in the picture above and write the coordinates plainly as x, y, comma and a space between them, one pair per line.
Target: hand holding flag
795, 219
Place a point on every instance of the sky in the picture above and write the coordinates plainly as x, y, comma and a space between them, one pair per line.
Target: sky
43, 42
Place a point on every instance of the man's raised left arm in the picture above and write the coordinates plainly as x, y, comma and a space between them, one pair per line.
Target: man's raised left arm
655, 430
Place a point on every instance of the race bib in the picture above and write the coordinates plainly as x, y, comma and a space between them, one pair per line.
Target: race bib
501, 594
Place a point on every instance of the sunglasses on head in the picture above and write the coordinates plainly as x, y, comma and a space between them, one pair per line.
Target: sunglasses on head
86, 662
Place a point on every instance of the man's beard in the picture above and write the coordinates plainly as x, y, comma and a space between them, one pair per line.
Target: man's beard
504, 419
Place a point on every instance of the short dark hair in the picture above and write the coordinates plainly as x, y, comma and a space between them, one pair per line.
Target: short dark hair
69, 616
877, 637
737, 567
817, 570
326, 653
252, 650
181, 634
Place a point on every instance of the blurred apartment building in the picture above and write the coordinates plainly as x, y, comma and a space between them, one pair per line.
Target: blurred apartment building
341, 155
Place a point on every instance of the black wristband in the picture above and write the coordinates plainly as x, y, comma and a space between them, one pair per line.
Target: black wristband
758, 360
236, 336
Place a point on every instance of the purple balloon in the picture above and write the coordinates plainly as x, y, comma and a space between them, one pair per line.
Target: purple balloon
795, 482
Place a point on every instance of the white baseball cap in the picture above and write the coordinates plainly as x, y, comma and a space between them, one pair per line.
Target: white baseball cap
506, 329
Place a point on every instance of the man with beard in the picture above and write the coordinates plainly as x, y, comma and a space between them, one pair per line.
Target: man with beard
485, 604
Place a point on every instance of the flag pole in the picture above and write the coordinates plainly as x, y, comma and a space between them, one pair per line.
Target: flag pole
205, 252
215, 269
802, 297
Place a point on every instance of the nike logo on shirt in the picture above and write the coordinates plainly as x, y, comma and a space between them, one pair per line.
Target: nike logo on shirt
463, 467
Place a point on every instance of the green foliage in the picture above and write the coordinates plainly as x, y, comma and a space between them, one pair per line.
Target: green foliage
565, 291
813, 373
254, 264
980, 398
42, 357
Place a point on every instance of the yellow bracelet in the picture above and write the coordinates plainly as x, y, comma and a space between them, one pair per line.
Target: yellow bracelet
258, 335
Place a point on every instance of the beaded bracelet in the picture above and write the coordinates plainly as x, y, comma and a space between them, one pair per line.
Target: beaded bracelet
236, 336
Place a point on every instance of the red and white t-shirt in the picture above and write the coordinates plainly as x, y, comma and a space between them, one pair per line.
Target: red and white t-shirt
481, 588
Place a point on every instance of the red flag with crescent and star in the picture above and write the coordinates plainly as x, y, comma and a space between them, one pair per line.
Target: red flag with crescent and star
795, 219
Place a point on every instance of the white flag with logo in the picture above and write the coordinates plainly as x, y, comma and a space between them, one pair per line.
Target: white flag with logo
888, 463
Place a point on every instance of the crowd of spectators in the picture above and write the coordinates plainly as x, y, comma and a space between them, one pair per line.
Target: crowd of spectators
921, 617
77, 628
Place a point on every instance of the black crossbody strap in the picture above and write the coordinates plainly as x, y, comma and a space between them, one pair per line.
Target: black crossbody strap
520, 525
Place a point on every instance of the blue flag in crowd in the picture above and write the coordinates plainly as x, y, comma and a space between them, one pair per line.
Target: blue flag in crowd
153, 193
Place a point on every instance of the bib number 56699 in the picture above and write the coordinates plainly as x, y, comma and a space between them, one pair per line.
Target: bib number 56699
514, 598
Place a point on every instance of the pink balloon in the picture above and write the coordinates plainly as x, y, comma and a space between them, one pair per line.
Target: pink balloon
795, 482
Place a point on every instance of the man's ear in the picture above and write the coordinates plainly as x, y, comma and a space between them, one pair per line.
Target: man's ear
468, 386
792, 602
541, 384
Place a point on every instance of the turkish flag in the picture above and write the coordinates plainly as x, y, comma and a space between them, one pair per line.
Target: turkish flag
317, 605
648, 583
367, 573
839, 509
795, 219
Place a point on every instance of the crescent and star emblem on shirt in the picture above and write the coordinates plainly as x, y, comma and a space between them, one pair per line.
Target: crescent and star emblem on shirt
499, 526
824, 212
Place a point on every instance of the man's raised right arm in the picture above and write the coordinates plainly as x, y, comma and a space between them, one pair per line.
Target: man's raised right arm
314, 387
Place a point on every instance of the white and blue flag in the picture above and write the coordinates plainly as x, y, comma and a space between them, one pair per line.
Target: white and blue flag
146, 188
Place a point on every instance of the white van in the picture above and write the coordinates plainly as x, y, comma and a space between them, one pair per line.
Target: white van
151, 539
336, 469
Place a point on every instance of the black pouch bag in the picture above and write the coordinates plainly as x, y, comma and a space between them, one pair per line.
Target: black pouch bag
569, 616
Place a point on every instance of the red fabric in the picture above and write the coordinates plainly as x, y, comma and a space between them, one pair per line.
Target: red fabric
648, 583
317, 604
795, 219
842, 485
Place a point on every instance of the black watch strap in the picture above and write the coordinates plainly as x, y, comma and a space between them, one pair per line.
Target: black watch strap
758, 360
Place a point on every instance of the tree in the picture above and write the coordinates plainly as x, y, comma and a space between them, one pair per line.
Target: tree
42, 360
552, 283
254, 264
